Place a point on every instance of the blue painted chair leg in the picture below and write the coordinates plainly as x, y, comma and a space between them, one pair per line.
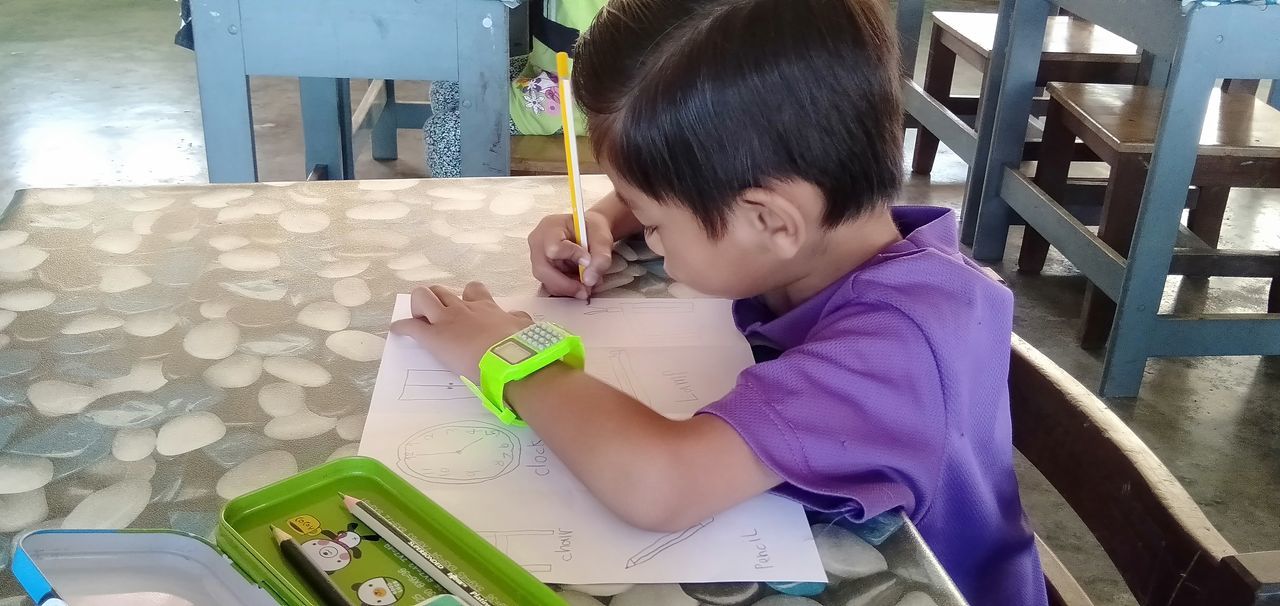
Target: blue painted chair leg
384, 130
991, 82
483, 108
224, 93
322, 125
1006, 129
346, 136
1135, 333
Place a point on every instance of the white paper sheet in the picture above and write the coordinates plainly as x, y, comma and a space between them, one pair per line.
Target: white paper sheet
675, 355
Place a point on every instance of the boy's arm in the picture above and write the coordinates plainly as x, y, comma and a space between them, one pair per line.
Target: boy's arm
653, 472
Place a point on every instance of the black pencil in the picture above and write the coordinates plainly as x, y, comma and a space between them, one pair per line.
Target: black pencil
315, 578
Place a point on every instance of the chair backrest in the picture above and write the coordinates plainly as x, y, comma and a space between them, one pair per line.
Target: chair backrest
1158, 538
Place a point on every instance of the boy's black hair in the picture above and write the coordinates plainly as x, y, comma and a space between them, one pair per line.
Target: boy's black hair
696, 100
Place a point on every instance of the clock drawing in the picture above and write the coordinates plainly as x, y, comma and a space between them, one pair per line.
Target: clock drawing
461, 452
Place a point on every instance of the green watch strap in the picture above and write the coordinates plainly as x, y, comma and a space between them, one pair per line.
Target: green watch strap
519, 356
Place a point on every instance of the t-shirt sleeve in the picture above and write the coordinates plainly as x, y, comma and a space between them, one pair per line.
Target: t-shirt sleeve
853, 420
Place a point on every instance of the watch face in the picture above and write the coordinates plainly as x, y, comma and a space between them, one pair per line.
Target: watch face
462, 452
512, 352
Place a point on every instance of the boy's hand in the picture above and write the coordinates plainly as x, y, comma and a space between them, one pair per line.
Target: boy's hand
556, 257
458, 331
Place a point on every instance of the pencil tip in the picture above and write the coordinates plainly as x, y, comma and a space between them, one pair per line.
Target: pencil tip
349, 500
280, 535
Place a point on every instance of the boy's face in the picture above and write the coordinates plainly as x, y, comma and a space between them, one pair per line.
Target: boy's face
733, 266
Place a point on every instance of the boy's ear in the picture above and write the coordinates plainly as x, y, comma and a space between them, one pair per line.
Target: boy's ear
776, 216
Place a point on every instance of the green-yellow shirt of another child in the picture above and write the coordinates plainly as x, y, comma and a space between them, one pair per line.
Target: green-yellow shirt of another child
535, 93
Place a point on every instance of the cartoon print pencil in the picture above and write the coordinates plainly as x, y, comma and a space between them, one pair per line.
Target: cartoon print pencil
397, 539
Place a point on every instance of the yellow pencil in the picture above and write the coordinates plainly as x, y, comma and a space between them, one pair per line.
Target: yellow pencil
571, 154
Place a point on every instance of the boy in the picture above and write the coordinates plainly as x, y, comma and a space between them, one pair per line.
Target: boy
757, 144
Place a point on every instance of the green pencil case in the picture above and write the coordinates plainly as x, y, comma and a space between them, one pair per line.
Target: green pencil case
244, 566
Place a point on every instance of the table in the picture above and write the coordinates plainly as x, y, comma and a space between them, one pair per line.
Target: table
326, 42
105, 293
1190, 43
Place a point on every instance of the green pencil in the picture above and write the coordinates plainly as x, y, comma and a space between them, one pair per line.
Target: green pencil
317, 579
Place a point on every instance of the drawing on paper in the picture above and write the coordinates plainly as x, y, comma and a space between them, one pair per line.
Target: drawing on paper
662, 320
665, 542
674, 355
460, 452
433, 385
605, 306
507, 541
624, 376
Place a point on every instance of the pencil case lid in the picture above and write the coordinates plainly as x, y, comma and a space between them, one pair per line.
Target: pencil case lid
153, 567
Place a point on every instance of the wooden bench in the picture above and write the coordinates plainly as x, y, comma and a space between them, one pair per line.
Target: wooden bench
1239, 147
1074, 51
544, 155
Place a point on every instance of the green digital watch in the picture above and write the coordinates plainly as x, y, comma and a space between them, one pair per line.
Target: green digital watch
519, 356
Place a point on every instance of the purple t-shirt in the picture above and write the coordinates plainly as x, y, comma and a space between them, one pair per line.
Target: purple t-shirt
891, 390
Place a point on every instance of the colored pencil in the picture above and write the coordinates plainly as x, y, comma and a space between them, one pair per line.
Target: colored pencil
571, 161
399, 540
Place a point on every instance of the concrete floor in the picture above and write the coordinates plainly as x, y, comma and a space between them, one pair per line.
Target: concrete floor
95, 93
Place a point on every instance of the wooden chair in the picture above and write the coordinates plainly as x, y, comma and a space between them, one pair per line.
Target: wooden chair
1158, 538
544, 155
1074, 51
1240, 147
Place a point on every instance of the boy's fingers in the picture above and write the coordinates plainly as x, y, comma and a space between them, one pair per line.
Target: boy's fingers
558, 227
414, 328
600, 261
567, 250
599, 238
445, 295
423, 303
522, 315
557, 282
476, 291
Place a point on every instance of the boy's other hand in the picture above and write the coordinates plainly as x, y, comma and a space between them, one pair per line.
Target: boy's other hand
556, 257
457, 331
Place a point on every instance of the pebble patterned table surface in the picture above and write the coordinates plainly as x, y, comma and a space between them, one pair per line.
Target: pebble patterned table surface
165, 349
